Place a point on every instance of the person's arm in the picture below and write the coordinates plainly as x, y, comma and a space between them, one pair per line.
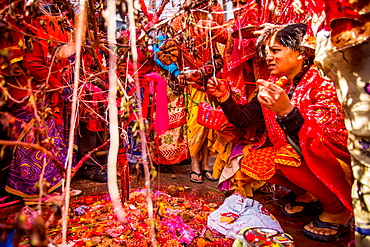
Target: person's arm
291, 124
172, 67
242, 116
199, 77
239, 115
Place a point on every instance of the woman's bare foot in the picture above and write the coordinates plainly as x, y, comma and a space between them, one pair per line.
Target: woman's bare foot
341, 219
307, 197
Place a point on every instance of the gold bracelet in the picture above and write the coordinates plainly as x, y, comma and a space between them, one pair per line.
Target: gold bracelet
220, 99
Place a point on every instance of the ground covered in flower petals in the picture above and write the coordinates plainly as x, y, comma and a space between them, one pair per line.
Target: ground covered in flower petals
178, 221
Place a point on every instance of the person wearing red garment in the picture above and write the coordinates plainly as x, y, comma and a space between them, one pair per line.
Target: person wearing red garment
241, 69
303, 147
195, 52
239, 73
39, 109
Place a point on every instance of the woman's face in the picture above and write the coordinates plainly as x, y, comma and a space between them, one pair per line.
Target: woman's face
281, 60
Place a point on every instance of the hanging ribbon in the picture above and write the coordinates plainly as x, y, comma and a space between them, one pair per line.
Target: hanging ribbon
161, 122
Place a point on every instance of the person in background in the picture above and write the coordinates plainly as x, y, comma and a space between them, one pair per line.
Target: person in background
195, 52
39, 110
238, 73
172, 145
304, 146
343, 55
91, 131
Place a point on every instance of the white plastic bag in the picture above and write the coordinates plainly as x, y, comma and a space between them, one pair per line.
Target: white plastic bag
238, 212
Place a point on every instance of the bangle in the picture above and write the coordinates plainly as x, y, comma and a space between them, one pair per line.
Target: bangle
220, 99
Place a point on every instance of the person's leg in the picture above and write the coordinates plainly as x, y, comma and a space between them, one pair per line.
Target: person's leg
302, 195
279, 179
334, 210
206, 169
304, 178
87, 141
196, 174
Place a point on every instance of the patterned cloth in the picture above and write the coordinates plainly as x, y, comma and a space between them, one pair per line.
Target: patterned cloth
28, 163
172, 146
261, 163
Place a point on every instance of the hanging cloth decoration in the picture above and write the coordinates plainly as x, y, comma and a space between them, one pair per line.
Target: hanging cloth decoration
161, 122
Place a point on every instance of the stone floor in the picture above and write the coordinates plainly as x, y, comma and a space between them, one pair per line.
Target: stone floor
208, 191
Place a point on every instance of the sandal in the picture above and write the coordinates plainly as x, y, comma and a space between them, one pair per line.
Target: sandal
309, 209
288, 198
205, 174
200, 178
341, 230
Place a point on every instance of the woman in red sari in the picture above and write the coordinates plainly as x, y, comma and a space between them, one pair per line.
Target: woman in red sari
304, 144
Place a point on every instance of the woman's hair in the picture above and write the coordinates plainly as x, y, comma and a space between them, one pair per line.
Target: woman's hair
290, 36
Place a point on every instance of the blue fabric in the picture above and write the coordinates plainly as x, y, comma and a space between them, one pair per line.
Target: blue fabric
172, 68
9, 240
362, 231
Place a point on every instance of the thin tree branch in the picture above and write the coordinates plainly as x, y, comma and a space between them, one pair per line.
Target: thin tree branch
149, 201
113, 117
88, 155
81, 28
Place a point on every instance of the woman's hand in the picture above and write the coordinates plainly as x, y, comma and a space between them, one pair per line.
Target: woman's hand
273, 97
216, 88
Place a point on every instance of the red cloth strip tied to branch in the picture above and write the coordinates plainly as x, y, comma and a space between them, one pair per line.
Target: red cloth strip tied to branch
124, 173
161, 122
